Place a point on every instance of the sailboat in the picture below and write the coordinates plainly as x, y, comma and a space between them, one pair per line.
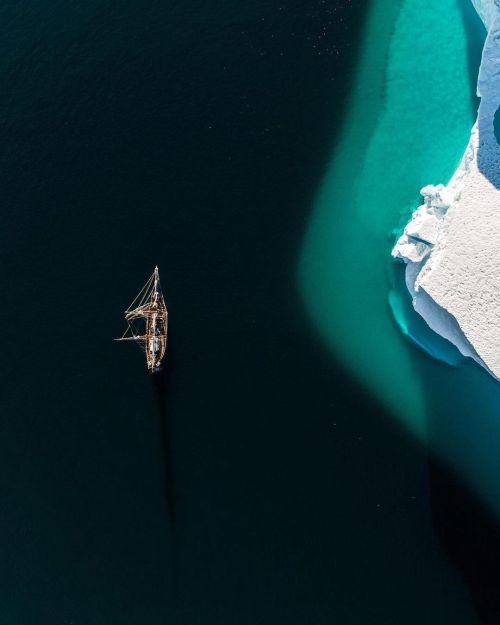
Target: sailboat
147, 322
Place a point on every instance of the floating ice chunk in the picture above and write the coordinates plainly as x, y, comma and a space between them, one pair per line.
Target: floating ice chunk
424, 226
410, 249
438, 198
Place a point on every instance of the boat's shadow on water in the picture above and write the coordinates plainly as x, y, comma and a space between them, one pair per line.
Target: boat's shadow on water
161, 382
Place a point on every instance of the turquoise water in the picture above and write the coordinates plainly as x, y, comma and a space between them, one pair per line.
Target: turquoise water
410, 117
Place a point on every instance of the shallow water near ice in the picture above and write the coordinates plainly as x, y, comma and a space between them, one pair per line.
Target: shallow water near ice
409, 123
388, 130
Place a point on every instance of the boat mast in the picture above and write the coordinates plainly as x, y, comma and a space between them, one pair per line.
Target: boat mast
149, 305
155, 287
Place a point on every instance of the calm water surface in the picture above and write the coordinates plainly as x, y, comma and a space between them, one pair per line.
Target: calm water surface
193, 137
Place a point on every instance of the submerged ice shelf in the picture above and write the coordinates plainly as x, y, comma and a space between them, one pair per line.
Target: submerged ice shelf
450, 245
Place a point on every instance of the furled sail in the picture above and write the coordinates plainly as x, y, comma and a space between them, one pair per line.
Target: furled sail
147, 322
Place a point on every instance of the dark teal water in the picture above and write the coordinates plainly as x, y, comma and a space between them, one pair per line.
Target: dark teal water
193, 137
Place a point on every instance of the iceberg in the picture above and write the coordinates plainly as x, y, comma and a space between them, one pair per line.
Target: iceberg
451, 246
486, 10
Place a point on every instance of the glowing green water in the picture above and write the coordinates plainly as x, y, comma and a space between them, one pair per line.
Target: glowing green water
409, 121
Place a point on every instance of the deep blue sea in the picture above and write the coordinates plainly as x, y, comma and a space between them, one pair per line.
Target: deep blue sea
255, 481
